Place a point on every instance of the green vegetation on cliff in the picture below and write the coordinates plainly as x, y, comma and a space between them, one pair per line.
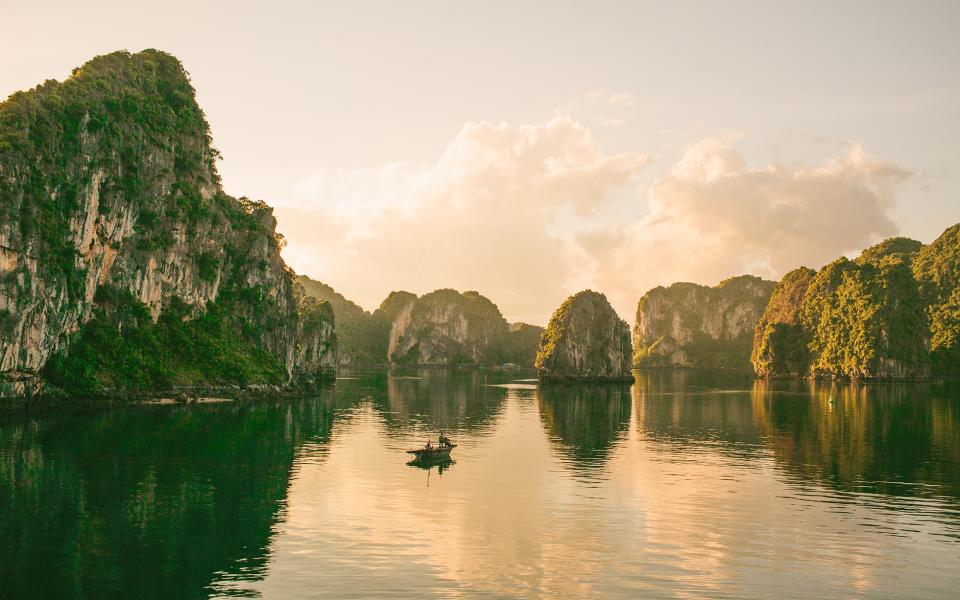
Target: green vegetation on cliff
905, 248
945, 336
865, 321
115, 109
430, 330
780, 341
937, 270
361, 337
121, 348
858, 319
446, 327
522, 343
123, 264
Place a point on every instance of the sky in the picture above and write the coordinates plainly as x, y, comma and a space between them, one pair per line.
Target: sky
528, 150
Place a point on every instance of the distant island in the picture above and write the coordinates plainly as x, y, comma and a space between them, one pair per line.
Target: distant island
442, 328
124, 267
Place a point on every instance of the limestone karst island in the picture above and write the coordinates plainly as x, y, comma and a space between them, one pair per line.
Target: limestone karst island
457, 300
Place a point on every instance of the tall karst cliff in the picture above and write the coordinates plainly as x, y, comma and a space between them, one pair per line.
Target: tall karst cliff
689, 325
446, 327
585, 341
123, 264
862, 319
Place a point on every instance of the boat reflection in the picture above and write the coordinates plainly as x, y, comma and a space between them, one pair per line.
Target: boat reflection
427, 464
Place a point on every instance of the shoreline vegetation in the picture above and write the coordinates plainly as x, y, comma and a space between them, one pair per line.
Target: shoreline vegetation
126, 272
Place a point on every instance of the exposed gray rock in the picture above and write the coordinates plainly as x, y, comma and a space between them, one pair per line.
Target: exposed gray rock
690, 325
585, 340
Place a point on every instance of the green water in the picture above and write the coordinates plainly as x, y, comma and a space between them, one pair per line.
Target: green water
688, 484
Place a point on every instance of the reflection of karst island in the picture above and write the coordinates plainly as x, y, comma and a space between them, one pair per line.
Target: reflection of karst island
585, 419
186, 491
125, 268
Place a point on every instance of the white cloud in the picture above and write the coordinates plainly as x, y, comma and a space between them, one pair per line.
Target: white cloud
528, 214
712, 217
482, 217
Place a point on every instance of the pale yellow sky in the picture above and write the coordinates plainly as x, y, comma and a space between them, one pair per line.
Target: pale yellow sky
528, 149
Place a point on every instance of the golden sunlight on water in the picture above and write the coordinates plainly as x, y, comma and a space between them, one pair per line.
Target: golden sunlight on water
677, 487
687, 484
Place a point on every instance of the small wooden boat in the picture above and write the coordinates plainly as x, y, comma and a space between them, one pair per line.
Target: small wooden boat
432, 452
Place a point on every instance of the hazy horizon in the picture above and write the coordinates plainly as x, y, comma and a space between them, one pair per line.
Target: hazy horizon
529, 151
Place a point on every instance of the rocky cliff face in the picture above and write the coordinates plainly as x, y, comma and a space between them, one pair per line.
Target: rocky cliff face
689, 325
861, 319
585, 340
112, 213
446, 327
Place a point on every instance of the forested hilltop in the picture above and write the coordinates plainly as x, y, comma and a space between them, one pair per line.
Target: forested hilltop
123, 264
893, 313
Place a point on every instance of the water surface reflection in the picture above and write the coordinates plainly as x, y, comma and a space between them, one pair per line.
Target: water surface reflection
687, 484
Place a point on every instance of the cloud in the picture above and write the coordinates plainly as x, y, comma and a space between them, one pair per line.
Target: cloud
483, 217
712, 217
528, 214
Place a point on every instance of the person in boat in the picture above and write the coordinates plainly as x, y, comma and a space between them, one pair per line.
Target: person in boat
429, 445
444, 441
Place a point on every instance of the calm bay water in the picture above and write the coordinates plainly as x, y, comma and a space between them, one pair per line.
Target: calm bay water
688, 484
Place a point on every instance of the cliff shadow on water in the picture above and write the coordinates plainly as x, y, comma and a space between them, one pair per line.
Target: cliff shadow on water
896, 439
585, 420
696, 408
433, 399
147, 502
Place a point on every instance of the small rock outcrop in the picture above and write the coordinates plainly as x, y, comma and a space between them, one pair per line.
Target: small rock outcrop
446, 327
690, 325
585, 341
123, 264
